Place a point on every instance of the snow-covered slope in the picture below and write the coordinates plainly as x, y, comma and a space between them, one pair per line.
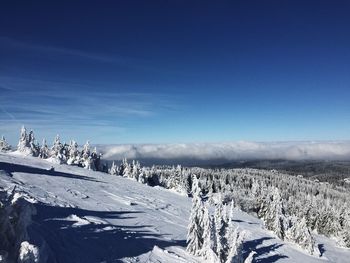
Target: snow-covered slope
86, 216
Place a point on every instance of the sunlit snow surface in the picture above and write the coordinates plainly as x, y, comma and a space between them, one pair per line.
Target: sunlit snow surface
87, 216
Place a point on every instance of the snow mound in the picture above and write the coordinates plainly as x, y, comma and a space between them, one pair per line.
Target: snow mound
28, 253
78, 221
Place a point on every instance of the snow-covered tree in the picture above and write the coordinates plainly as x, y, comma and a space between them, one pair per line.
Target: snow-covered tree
274, 218
298, 233
196, 228
56, 150
23, 143
114, 169
135, 170
221, 224
34, 147
143, 176
95, 160
235, 241
86, 160
4, 146
65, 151
208, 250
125, 168
44, 150
344, 234
73, 153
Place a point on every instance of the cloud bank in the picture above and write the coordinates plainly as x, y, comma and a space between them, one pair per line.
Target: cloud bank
230, 151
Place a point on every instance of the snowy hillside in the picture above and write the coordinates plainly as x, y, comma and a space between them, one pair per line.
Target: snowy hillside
87, 216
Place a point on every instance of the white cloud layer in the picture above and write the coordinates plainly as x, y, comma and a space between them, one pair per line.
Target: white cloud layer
336, 150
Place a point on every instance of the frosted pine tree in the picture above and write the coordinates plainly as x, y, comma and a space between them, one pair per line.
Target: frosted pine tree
255, 190
221, 224
86, 160
65, 152
195, 228
96, 159
135, 171
44, 150
4, 146
122, 166
274, 218
125, 168
300, 234
113, 170
34, 147
235, 241
23, 144
262, 202
344, 235
73, 153
56, 150
142, 176
209, 239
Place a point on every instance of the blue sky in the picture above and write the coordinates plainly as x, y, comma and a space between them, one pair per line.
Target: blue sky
175, 71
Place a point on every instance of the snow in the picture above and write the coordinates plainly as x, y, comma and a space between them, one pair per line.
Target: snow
28, 253
87, 216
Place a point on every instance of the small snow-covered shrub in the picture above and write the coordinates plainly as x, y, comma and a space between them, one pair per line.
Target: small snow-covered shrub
28, 253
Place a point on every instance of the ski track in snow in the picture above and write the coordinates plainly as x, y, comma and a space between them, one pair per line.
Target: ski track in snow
87, 216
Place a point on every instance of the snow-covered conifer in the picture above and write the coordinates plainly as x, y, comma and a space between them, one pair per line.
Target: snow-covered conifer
299, 233
65, 152
73, 153
143, 176
135, 170
125, 168
113, 170
4, 146
44, 150
34, 147
23, 143
56, 150
221, 224
195, 228
86, 160
95, 160
235, 240
86, 150
275, 219
209, 240
344, 234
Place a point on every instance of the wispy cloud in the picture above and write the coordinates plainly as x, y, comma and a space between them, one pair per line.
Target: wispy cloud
49, 51
10, 42
231, 151
65, 107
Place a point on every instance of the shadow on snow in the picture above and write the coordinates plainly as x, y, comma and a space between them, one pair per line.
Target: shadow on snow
93, 242
256, 245
12, 168
241, 221
321, 249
